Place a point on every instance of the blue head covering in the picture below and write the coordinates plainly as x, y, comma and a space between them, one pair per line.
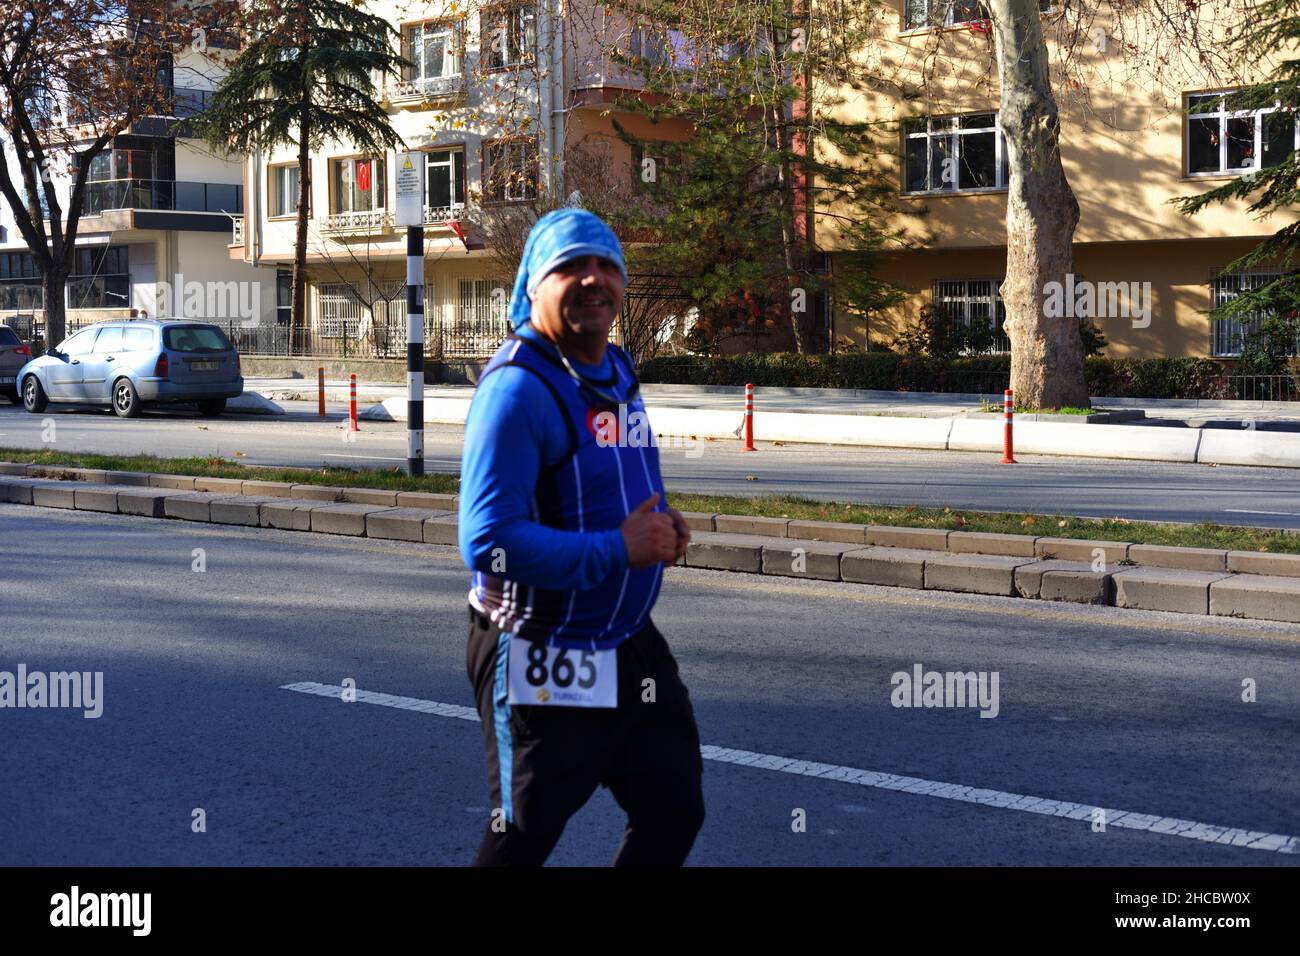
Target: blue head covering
555, 239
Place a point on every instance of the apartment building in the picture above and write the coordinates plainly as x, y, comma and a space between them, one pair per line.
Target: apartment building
153, 236
498, 96
1128, 148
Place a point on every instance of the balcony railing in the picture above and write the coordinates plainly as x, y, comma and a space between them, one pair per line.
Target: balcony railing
359, 222
427, 88
163, 194
440, 215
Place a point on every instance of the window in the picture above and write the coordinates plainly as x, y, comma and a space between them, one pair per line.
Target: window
664, 46
510, 170
123, 164
20, 283
434, 50
356, 185
282, 191
100, 279
109, 341
283, 297
508, 36
1223, 138
195, 338
481, 324
648, 168
918, 14
446, 179
1229, 335
973, 301
79, 344
137, 340
954, 154
340, 311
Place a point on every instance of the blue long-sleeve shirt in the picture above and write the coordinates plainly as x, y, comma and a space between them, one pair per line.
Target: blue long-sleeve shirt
514, 427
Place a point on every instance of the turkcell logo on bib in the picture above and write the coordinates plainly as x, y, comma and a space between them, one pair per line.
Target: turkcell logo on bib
557, 677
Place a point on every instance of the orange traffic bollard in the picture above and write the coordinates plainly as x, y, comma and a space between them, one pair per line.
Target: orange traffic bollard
1007, 410
352, 424
320, 391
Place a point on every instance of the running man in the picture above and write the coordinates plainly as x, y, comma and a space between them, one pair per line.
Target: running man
565, 526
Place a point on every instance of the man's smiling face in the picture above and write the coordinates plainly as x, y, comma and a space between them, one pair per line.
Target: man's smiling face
577, 302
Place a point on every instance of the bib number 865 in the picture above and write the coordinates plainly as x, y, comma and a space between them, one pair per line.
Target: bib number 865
562, 671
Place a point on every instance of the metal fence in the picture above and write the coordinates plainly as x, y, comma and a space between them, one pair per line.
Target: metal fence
1264, 388
381, 340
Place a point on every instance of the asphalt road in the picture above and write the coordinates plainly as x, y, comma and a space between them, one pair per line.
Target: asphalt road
1140, 490
1130, 711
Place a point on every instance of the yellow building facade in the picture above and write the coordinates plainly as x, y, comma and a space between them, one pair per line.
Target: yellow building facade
1128, 147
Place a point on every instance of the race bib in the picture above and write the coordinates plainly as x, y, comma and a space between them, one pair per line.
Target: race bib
560, 677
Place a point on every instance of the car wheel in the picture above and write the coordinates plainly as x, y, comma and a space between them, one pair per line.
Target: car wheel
126, 401
34, 399
212, 406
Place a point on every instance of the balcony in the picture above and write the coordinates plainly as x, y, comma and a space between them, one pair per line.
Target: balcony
362, 222
428, 89
236, 230
444, 215
162, 194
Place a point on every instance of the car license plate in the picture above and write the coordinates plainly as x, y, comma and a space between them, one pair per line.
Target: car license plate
204, 366
7, 379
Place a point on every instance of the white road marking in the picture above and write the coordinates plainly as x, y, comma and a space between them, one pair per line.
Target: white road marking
1242, 511
1125, 819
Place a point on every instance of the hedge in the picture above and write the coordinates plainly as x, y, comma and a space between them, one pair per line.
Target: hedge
891, 371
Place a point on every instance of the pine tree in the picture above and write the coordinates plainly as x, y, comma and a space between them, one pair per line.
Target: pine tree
305, 76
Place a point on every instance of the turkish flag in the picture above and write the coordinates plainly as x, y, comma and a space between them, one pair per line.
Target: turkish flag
363, 176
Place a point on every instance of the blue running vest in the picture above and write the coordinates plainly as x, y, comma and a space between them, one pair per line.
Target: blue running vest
592, 488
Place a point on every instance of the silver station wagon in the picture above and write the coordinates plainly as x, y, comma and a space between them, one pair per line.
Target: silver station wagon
129, 364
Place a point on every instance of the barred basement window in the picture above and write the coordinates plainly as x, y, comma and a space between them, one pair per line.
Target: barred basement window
341, 310
481, 324
1229, 335
971, 301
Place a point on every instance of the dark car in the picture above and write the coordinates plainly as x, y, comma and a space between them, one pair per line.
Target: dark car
13, 356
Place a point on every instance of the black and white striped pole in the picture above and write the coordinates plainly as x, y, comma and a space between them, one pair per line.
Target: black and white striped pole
410, 213
415, 350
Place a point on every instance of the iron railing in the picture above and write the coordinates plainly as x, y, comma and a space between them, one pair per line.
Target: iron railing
427, 87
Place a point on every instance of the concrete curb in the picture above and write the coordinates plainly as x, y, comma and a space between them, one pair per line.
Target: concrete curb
1197, 581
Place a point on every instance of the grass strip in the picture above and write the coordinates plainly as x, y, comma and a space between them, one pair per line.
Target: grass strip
1203, 535
389, 479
